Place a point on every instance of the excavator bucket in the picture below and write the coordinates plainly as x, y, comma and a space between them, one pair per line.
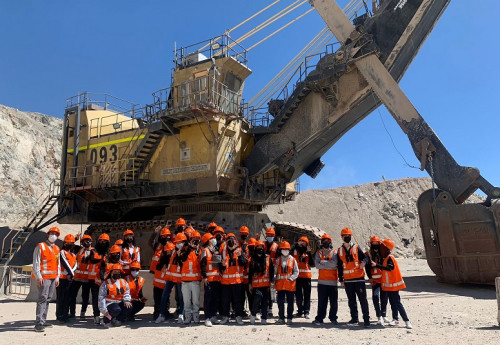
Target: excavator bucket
461, 240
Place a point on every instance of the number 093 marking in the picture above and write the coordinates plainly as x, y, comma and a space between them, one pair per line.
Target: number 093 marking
101, 155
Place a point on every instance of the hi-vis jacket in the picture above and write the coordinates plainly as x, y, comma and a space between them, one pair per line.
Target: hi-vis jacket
46, 261
113, 292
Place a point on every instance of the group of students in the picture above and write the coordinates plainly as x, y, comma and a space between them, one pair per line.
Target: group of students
230, 269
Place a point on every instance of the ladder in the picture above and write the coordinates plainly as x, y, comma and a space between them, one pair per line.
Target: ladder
142, 156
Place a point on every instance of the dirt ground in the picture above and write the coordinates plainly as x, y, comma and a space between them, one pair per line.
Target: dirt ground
440, 313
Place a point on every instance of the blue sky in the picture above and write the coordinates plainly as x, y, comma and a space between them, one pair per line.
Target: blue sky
54, 49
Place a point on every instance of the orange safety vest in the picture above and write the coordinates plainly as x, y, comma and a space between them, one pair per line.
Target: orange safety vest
392, 280
191, 270
282, 278
376, 272
82, 269
160, 278
156, 258
352, 269
212, 271
135, 288
272, 251
173, 273
304, 267
116, 292
262, 279
129, 257
327, 274
94, 268
71, 259
107, 269
49, 261
232, 274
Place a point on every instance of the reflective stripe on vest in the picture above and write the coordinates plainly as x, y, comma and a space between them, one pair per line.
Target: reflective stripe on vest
352, 269
232, 274
262, 280
115, 293
283, 279
392, 280
70, 259
49, 257
212, 271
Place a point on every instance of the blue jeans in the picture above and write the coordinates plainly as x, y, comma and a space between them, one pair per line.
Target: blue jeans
165, 297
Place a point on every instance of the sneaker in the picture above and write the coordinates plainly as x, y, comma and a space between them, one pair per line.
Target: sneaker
224, 320
252, 319
39, 328
196, 318
258, 317
334, 322
269, 314
82, 315
408, 325
352, 322
289, 321
208, 323
239, 320
104, 324
366, 324
380, 321
160, 319
180, 319
187, 319
298, 315
386, 320
115, 323
47, 325
263, 321
280, 322
214, 320
97, 320
394, 323
317, 322
307, 316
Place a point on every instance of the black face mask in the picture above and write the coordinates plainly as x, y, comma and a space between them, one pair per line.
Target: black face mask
347, 239
129, 240
218, 237
230, 242
195, 243
244, 237
260, 252
102, 247
86, 244
116, 276
163, 240
67, 247
114, 258
302, 249
179, 230
376, 247
325, 244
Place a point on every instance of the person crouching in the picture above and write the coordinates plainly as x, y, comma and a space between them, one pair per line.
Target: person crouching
114, 298
135, 284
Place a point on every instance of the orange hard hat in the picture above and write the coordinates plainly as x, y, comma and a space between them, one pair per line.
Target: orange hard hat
231, 235
135, 264
252, 242
165, 232
244, 230
218, 229
69, 238
375, 239
56, 230
195, 235
388, 243
285, 245
326, 237
103, 237
128, 232
346, 231
270, 232
169, 246
116, 267
180, 237
188, 232
119, 242
86, 237
259, 244
212, 225
180, 222
305, 239
207, 237
115, 249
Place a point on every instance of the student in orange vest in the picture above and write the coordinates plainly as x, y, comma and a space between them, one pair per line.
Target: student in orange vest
211, 227
326, 260
135, 284
159, 239
352, 262
81, 278
210, 272
392, 283
180, 226
46, 271
243, 243
272, 251
233, 264
97, 259
246, 279
287, 272
375, 278
191, 278
114, 298
260, 278
130, 252
174, 279
67, 268
302, 254
160, 280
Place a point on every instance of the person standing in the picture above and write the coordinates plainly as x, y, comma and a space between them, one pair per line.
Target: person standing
114, 298
46, 271
130, 252
243, 243
97, 259
210, 272
67, 269
260, 279
135, 285
375, 278
303, 256
287, 272
191, 278
81, 278
272, 251
326, 260
351, 272
392, 283
160, 280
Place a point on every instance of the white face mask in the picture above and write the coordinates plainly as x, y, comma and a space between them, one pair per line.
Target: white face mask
179, 245
285, 252
213, 241
52, 238
134, 274
270, 239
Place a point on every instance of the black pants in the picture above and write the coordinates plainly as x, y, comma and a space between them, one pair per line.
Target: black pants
118, 311
157, 292
211, 299
303, 295
260, 298
85, 293
353, 289
63, 301
327, 293
249, 297
136, 307
232, 295
380, 309
288, 296
396, 305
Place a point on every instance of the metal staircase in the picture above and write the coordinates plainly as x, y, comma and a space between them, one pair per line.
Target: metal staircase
142, 156
15, 238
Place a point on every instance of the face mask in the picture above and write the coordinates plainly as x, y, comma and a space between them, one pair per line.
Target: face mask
260, 251
302, 249
213, 241
52, 238
129, 240
163, 240
218, 238
114, 258
195, 243
347, 239
68, 247
230, 242
376, 247
179, 229
179, 245
325, 244
134, 274
270, 239
116, 276
285, 252
86, 244
244, 237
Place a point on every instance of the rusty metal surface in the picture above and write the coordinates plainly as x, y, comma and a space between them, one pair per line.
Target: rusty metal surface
293, 231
